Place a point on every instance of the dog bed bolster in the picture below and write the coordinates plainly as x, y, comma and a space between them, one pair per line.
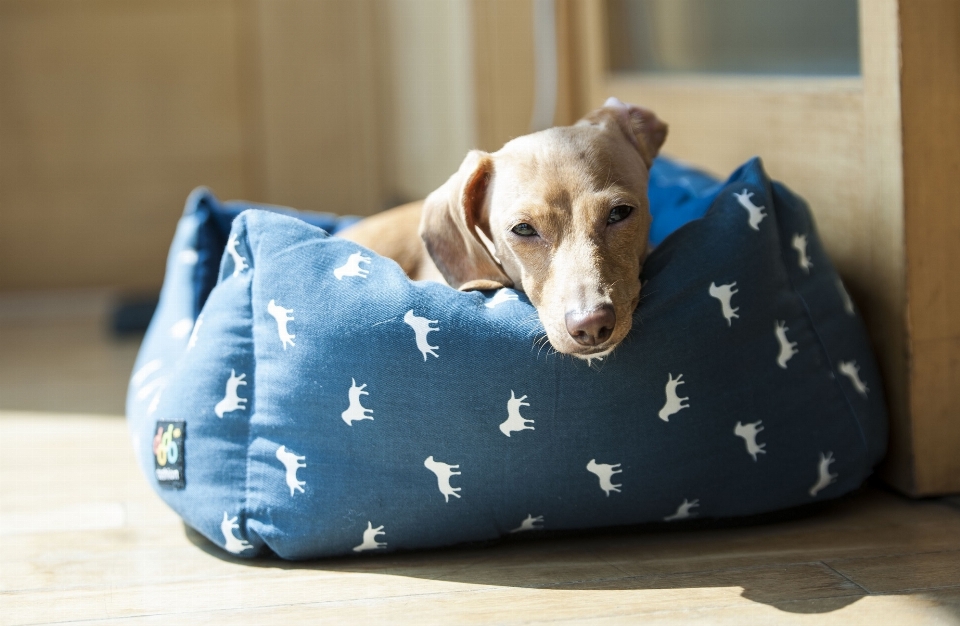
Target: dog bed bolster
307, 399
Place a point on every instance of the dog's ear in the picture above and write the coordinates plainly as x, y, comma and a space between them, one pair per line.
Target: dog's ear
641, 126
451, 226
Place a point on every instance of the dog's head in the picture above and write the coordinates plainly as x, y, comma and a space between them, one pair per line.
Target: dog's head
561, 215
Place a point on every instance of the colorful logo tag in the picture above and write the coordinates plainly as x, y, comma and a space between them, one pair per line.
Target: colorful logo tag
168, 455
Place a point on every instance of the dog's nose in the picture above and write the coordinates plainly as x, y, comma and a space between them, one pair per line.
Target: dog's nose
593, 327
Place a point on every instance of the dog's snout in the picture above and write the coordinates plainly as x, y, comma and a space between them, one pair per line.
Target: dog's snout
593, 327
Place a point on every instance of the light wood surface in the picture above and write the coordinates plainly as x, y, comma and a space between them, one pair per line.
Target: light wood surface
85, 540
110, 112
317, 71
426, 93
57, 355
504, 70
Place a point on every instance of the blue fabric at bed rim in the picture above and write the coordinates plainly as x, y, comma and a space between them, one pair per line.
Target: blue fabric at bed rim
678, 194
297, 394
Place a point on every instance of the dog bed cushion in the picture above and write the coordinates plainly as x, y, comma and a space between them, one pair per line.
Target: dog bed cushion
316, 402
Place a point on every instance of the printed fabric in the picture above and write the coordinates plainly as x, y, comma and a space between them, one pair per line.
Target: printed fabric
316, 402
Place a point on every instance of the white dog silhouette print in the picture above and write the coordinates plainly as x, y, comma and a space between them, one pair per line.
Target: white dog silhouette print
825, 478
370, 538
605, 472
515, 422
503, 295
282, 316
799, 244
851, 370
529, 524
749, 434
421, 326
443, 472
683, 511
356, 412
231, 401
193, 334
232, 543
845, 297
352, 267
239, 263
723, 293
756, 212
292, 462
787, 348
674, 403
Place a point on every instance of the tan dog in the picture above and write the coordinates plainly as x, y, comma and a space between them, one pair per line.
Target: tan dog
560, 214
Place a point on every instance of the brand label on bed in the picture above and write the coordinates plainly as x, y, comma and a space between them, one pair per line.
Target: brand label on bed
168, 458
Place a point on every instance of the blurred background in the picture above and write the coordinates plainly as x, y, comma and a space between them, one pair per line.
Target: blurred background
111, 111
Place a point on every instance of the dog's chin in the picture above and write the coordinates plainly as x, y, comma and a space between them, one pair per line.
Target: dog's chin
586, 353
595, 355
565, 344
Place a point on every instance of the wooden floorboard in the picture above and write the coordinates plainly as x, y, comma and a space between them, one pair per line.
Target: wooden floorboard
904, 572
99, 547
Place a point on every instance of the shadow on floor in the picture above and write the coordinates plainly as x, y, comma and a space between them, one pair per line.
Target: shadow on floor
788, 563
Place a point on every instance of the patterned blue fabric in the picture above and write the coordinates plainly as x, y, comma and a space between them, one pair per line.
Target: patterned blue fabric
332, 406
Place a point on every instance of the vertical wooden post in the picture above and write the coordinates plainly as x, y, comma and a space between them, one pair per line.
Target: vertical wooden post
924, 456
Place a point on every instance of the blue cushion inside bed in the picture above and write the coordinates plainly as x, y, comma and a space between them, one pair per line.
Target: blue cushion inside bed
329, 405
678, 194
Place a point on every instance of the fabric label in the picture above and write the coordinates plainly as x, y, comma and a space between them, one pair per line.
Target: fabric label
168, 457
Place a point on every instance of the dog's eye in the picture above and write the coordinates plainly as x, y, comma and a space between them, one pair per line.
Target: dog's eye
524, 230
619, 213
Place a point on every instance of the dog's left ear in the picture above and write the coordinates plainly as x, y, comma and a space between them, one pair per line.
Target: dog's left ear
451, 226
641, 126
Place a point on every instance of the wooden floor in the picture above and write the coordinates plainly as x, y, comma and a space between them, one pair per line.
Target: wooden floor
84, 539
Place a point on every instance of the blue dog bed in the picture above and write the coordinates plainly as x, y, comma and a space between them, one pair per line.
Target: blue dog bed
297, 393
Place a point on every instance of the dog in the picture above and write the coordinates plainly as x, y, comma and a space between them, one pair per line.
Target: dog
560, 214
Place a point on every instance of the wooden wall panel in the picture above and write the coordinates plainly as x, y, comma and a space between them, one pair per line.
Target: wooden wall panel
427, 94
319, 103
883, 300
110, 112
810, 135
930, 87
504, 66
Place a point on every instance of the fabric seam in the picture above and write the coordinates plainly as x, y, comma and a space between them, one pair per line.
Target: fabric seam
253, 391
816, 331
